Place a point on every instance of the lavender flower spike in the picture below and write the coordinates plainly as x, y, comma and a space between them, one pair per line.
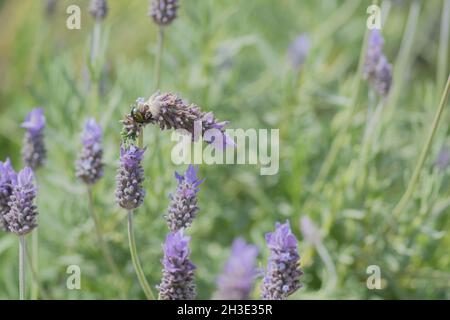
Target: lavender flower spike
34, 152
298, 51
239, 274
283, 272
7, 178
89, 165
178, 273
98, 9
22, 216
183, 205
377, 70
163, 12
130, 176
309, 230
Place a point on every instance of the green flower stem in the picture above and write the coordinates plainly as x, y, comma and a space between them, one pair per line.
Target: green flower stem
136, 263
34, 275
158, 60
329, 265
35, 260
443, 45
101, 241
22, 245
423, 155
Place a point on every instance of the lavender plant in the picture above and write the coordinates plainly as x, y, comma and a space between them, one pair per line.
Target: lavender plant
178, 273
130, 195
282, 277
183, 204
34, 152
21, 218
298, 51
98, 9
163, 12
169, 111
7, 177
239, 273
377, 70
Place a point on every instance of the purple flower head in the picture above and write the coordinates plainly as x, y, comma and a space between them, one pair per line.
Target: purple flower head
163, 12
92, 132
183, 204
298, 50
8, 177
130, 177
239, 274
34, 121
22, 216
89, 165
282, 277
98, 9
34, 152
178, 271
377, 70
443, 159
309, 230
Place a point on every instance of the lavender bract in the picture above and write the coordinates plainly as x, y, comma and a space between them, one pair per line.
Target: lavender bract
163, 12
89, 165
130, 176
7, 178
282, 277
171, 112
183, 205
178, 272
98, 9
377, 70
239, 274
22, 216
34, 152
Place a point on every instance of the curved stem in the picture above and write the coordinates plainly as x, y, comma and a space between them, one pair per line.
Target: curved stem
443, 44
159, 54
22, 267
103, 246
136, 263
423, 155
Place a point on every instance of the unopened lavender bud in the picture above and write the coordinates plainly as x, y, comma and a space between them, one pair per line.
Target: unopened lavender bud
178, 271
282, 277
163, 12
239, 274
34, 152
98, 9
443, 159
89, 165
309, 230
50, 6
377, 70
22, 216
130, 177
7, 177
183, 205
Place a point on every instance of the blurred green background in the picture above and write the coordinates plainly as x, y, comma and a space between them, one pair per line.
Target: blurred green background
230, 57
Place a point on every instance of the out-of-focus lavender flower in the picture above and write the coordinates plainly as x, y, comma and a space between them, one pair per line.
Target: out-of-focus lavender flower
183, 204
309, 230
50, 6
7, 177
178, 272
377, 70
130, 176
239, 274
282, 277
171, 112
443, 159
34, 152
163, 12
98, 9
298, 51
89, 165
22, 216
